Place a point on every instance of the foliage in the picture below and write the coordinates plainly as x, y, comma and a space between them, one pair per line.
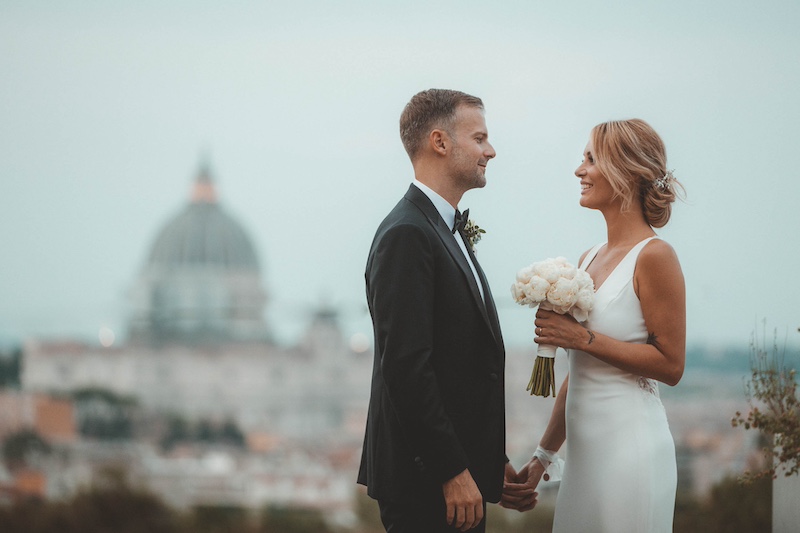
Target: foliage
367, 512
219, 519
741, 508
180, 431
10, 362
103, 414
774, 408
112, 505
292, 520
731, 506
18, 448
538, 520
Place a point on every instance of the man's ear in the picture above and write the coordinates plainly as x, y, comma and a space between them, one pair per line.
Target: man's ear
439, 141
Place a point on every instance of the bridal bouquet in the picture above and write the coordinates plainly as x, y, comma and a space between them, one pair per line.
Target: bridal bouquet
556, 285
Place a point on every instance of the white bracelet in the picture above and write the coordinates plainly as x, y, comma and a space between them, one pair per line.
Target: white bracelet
552, 463
546, 457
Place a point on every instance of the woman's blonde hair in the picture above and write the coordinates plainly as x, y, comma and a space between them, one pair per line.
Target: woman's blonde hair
632, 157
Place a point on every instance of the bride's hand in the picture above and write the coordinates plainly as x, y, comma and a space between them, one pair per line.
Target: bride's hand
558, 330
522, 495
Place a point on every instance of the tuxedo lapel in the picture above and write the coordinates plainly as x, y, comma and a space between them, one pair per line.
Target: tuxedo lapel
419, 199
491, 309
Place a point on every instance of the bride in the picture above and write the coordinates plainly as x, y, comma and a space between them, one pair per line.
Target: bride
620, 473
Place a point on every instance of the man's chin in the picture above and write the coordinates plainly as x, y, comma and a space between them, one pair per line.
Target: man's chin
476, 182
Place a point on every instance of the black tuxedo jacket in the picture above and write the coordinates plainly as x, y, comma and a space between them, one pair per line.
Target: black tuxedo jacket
437, 398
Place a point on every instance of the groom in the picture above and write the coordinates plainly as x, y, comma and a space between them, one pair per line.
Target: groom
434, 450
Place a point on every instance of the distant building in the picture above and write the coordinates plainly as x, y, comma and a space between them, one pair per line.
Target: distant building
198, 343
201, 283
51, 418
200, 348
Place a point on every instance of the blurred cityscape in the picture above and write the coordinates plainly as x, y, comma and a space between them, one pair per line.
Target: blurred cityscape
201, 407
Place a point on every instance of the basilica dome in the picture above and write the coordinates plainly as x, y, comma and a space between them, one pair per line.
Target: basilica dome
203, 234
201, 282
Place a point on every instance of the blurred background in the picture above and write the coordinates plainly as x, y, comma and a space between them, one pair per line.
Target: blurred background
191, 189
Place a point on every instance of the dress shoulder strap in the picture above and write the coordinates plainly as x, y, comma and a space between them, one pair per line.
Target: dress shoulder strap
632, 256
590, 255
636, 250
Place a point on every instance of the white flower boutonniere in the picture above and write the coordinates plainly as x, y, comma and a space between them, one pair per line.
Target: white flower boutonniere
473, 233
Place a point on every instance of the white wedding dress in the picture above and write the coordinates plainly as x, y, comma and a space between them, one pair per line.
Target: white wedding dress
620, 473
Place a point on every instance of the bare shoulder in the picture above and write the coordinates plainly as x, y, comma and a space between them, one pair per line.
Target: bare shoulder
656, 252
658, 260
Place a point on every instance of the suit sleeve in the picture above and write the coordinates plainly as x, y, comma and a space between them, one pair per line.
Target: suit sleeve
402, 290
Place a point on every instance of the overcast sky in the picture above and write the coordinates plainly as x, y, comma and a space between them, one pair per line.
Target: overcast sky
106, 109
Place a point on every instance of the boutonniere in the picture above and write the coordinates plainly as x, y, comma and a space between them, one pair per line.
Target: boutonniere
473, 233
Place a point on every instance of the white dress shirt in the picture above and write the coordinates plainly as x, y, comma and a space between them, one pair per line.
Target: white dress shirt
448, 214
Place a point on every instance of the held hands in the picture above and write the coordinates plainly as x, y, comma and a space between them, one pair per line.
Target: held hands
520, 493
464, 501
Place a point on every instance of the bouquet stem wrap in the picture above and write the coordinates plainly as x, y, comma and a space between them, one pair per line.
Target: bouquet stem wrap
558, 286
543, 377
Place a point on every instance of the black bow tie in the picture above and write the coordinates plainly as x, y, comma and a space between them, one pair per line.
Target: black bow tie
461, 221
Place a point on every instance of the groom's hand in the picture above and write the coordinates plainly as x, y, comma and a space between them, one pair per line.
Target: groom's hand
464, 501
522, 495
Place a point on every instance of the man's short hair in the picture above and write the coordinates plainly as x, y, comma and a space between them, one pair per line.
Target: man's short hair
428, 110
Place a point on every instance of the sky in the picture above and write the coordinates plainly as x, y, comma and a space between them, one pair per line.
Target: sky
107, 109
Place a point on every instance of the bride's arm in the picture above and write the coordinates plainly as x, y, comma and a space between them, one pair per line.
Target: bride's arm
659, 284
556, 432
522, 495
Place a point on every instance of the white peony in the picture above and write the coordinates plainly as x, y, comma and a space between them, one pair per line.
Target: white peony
585, 298
518, 294
536, 289
568, 271
552, 284
548, 269
557, 285
579, 314
564, 293
524, 275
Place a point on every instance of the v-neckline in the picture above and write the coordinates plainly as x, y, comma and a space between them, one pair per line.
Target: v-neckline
613, 270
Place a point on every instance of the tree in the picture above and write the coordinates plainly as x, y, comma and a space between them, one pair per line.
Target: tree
102, 414
204, 431
110, 505
231, 435
740, 508
20, 448
10, 367
292, 520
